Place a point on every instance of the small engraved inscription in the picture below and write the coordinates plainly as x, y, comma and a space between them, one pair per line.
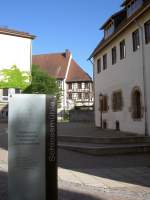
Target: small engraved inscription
27, 138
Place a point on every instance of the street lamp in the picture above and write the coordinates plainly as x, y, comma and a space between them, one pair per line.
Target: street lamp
101, 107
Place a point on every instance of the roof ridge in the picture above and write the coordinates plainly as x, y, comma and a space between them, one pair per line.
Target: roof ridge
9, 31
44, 54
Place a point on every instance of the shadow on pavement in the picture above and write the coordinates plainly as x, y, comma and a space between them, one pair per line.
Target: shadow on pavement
3, 185
72, 195
122, 168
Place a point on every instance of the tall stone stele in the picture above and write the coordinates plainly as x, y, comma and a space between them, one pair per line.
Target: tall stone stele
32, 147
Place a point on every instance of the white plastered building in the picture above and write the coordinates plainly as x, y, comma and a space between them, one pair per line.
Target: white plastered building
15, 49
122, 70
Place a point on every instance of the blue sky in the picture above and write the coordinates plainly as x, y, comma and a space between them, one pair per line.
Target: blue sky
60, 24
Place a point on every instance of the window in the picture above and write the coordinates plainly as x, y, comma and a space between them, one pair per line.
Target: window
5, 94
104, 61
80, 96
147, 32
69, 95
109, 30
74, 96
98, 65
136, 40
74, 86
79, 85
17, 91
86, 95
114, 55
86, 85
59, 82
117, 101
104, 103
122, 50
69, 86
136, 104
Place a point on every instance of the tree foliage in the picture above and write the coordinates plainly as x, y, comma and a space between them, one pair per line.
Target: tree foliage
14, 78
42, 83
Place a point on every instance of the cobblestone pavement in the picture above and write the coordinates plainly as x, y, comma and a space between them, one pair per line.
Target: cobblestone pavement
125, 177
85, 177
74, 191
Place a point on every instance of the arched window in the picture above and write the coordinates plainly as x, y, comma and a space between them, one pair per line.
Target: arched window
136, 103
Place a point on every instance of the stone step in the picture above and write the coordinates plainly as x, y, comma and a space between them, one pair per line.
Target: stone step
106, 149
105, 140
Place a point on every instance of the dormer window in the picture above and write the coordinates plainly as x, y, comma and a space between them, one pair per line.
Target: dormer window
133, 6
109, 29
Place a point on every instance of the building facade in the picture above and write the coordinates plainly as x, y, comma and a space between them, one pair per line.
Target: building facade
15, 49
74, 82
122, 70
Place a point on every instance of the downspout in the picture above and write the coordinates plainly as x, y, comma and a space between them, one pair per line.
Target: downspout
65, 84
144, 78
30, 56
93, 87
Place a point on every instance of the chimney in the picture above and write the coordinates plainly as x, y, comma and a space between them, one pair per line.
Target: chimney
67, 53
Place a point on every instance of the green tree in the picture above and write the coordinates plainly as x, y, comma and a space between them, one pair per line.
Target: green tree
42, 83
14, 78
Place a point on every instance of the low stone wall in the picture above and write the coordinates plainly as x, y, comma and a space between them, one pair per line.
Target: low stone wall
81, 116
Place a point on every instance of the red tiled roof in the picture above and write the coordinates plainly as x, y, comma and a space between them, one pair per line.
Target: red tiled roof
13, 32
76, 74
54, 64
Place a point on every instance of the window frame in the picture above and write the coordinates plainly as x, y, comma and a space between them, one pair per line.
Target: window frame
105, 61
86, 85
104, 104
122, 49
70, 96
136, 40
80, 86
5, 97
79, 96
114, 55
70, 86
117, 104
86, 96
136, 113
147, 32
99, 65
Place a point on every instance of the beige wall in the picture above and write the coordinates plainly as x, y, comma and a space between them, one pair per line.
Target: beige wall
124, 75
15, 51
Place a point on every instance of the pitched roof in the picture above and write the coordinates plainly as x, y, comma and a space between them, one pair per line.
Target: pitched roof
54, 64
77, 74
112, 17
125, 23
7, 31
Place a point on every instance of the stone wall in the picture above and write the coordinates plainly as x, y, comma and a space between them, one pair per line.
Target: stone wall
81, 115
